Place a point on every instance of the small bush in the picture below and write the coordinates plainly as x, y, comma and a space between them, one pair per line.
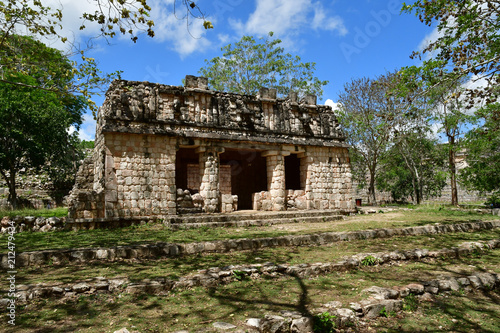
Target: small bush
324, 323
493, 201
369, 261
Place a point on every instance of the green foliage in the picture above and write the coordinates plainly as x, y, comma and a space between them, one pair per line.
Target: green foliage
252, 63
240, 275
413, 167
57, 212
324, 323
410, 303
470, 46
384, 313
83, 144
483, 153
42, 22
34, 122
367, 116
493, 201
369, 261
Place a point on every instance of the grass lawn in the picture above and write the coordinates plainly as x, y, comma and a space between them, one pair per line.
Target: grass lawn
197, 308
157, 232
58, 212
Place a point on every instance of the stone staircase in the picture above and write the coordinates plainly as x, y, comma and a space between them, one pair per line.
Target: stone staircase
252, 218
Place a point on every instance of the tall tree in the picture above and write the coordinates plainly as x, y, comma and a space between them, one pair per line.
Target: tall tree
413, 167
252, 63
467, 48
366, 116
114, 17
34, 122
468, 43
483, 153
445, 105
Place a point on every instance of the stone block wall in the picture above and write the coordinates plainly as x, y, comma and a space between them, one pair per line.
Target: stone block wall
140, 175
296, 200
328, 178
84, 202
141, 127
225, 179
193, 176
325, 177
229, 203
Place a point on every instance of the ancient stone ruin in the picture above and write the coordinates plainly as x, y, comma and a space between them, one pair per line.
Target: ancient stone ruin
164, 150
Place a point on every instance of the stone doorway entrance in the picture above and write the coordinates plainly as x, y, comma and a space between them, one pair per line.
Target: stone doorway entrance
248, 174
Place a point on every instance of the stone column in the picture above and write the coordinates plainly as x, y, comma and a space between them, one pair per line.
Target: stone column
306, 177
110, 185
209, 174
275, 163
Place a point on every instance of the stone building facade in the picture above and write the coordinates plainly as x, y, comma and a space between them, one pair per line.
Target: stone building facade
162, 150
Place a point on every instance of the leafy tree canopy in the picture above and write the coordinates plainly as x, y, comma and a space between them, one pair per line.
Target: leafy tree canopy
483, 152
34, 122
32, 17
367, 116
468, 44
252, 63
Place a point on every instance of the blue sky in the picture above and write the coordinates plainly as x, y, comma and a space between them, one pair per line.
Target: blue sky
346, 39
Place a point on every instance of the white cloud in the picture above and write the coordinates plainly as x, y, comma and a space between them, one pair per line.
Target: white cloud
433, 36
335, 106
170, 28
87, 129
322, 21
185, 37
288, 17
72, 20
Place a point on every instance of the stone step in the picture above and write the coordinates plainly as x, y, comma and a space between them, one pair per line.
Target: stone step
250, 215
257, 222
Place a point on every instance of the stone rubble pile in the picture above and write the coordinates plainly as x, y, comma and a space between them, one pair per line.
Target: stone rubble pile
31, 223
381, 302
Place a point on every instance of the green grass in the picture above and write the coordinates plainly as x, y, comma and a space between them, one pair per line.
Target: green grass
157, 232
174, 268
58, 212
197, 308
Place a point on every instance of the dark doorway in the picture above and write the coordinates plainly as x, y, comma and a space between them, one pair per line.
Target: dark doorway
187, 171
292, 172
248, 174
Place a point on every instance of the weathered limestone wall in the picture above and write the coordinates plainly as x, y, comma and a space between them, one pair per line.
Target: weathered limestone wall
328, 178
140, 175
141, 127
196, 112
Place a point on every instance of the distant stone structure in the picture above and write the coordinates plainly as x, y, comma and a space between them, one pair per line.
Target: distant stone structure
162, 150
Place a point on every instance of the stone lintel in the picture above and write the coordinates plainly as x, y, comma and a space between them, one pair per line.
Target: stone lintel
270, 153
294, 149
274, 153
203, 149
303, 155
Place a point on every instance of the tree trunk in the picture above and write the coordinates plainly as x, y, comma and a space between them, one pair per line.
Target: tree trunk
415, 190
418, 188
453, 173
11, 182
371, 189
